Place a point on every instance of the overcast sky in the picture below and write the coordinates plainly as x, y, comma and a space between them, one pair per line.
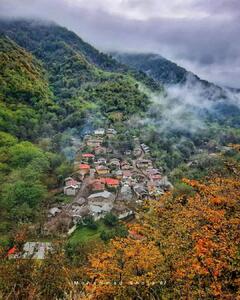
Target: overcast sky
201, 35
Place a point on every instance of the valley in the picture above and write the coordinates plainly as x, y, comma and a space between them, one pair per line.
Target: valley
119, 174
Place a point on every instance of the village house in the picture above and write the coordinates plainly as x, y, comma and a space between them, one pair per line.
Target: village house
84, 169
154, 190
110, 132
100, 203
71, 186
71, 190
145, 148
102, 170
53, 212
101, 161
103, 196
125, 193
127, 152
114, 162
118, 174
94, 142
155, 177
69, 181
127, 174
79, 201
77, 213
100, 150
122, 211
144, 163
110, 182
137, 151
88, 157
134, 235
99, 209
99, 132
125, 165
140, 191
97, 186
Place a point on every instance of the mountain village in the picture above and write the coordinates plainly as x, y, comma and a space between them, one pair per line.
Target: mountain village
105, 180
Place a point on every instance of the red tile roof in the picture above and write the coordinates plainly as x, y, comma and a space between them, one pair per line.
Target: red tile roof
136, 236
110, 181
88, 155
71, 182
84, 166
12, 250
98, 185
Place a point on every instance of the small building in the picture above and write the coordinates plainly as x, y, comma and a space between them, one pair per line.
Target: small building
53, 212
13, 253
145, 148
121, 211
135, 235
102, 170
71, 190
101, 161
110, 182
36, 250
79, 201
140, 191
155, 177
88, 157
94, 142
99, 150
84, 169
125, 193
154, 190
127, 152
99, 132
97, 186
118, 174
127, 174
77, 213
125, 165
110, 132
98, 209
70, 181
114, 162
144, 163
137, 151
103, 196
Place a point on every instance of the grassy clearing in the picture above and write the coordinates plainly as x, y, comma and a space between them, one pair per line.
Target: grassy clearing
84, 234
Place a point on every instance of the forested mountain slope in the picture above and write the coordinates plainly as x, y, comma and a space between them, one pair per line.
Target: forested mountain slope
25, 96
169, 73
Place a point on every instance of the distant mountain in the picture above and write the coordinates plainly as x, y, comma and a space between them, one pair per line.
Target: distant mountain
154, 65
169, 73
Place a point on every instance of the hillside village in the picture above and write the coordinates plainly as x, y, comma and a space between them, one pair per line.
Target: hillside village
106, 180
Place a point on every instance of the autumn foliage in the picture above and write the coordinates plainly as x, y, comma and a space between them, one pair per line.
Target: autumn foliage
190, 248
183, 246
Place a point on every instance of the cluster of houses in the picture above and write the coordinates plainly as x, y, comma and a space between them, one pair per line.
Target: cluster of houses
107, 181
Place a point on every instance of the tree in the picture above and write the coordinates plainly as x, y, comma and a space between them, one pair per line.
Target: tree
110, 220
127, 267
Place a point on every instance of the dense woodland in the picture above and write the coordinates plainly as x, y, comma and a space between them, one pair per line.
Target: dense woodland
54, 86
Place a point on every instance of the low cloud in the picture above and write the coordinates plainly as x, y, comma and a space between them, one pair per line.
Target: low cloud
187, 107
200, 35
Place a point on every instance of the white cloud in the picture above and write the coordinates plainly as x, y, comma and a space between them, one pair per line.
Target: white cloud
202, 35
